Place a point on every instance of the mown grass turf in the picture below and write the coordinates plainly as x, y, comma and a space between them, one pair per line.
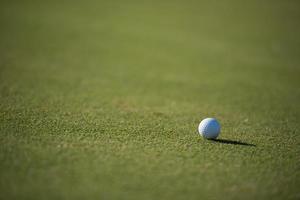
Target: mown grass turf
101, 100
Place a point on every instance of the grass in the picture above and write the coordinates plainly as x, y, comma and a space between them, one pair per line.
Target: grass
101, 100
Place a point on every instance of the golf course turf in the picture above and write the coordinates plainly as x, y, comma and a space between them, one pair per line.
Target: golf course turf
102, 99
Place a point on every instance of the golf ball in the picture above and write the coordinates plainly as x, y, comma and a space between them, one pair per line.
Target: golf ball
209, 128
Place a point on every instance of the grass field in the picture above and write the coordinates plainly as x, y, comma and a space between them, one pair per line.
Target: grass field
101, 100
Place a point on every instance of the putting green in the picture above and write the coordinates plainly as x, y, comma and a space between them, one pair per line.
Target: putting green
101, 100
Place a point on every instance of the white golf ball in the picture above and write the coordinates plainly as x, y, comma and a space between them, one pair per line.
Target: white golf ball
209, 128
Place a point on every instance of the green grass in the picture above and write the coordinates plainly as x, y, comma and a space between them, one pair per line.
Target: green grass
101, 100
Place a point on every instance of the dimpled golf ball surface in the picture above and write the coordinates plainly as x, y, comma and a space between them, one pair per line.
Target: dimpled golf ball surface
209, 128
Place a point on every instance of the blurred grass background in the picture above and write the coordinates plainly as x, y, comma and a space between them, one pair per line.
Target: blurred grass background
102, 99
